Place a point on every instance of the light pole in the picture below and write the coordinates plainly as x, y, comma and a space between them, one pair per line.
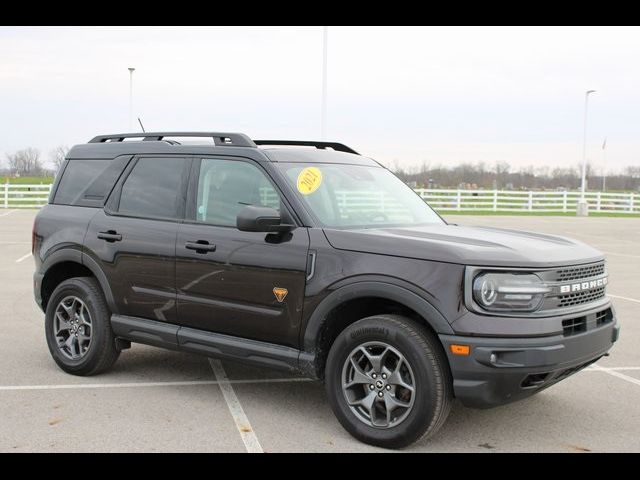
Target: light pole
323, 120
583, 206
131, 69
604, 164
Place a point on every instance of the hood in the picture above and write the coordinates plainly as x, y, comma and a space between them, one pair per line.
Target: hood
481, 246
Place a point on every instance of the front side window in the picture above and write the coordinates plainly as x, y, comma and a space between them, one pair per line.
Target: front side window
153, 188
226, 186
357, 196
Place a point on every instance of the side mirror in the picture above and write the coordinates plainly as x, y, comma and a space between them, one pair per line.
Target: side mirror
261, 219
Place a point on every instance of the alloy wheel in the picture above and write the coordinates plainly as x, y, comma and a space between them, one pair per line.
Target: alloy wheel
378, 384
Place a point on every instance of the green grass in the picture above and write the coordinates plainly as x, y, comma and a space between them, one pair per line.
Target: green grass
27, 180
537, 214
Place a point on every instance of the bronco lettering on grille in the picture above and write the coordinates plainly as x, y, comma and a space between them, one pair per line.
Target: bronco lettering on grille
582, 286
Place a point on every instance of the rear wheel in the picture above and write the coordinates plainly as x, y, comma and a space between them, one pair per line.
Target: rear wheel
388, 381
78, 328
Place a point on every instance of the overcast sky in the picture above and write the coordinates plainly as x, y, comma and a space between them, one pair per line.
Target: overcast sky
440, 95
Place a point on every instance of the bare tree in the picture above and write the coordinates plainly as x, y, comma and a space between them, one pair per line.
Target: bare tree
57, 155
633, 172
25, 162
503, 175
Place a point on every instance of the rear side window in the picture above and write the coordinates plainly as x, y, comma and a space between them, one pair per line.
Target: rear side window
88, 182
154, 188
77, 175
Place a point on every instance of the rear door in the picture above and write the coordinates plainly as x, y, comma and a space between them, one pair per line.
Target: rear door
246, 284
133, 238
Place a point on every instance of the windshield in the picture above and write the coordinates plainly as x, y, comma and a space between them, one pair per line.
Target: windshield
357, 196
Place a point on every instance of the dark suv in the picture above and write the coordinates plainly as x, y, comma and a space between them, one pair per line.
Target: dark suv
309, 257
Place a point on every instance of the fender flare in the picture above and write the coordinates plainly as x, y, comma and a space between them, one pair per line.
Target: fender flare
65, 254
92, 265
364, 289
75, 255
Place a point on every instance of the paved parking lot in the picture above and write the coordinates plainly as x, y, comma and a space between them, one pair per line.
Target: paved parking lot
157, 400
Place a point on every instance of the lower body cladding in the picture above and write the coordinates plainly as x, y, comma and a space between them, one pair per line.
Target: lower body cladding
494, 372
501, 370
175, 337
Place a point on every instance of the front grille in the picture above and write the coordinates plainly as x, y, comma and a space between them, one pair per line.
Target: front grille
604, 317
576, 325
578, 273
578, 298
572, 326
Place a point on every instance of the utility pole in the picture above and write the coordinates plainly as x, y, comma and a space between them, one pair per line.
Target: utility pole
604, 166
323, 125
583, 206
131, 70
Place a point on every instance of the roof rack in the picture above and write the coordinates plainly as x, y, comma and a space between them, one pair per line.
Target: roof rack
320, 145
219, 139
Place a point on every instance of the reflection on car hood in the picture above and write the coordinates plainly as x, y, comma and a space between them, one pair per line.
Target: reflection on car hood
467, 245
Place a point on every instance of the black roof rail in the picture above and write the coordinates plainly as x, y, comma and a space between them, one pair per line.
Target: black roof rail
339, 147
219, 139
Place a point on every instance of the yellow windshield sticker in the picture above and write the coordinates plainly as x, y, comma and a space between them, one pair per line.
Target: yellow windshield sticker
309, 180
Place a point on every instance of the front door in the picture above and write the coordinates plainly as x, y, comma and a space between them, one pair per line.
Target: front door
133, 239
245, 284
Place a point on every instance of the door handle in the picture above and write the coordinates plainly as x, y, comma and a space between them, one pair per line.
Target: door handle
110, 236
200, 246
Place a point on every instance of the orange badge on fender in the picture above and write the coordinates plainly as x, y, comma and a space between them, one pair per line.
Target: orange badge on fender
280, 293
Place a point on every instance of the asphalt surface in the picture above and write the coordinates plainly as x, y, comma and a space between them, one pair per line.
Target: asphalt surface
157, 400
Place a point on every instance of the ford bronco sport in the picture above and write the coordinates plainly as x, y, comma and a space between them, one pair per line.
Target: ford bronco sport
309, 257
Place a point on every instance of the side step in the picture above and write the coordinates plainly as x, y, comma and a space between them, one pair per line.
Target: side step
175, 337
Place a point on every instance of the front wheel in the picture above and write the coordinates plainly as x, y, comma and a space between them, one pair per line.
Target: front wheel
388, 381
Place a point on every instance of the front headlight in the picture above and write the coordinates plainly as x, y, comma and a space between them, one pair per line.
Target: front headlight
501, 292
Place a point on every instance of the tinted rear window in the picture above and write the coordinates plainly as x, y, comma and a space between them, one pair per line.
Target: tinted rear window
153, 188
88, 182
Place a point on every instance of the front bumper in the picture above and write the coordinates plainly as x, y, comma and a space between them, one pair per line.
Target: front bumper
502, 370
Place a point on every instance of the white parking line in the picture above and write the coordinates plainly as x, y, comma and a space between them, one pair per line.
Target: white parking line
595, 238
247, 434
593, 369
24, 257
624, 298
614, 373
621, 254
7, 213
147, 384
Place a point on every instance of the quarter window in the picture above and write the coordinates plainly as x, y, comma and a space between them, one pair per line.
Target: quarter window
77, 176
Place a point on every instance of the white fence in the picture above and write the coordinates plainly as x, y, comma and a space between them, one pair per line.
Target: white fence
24, 196
528, 201
34, 196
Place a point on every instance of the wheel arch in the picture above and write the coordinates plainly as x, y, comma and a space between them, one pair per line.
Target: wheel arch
69, 263
359, 300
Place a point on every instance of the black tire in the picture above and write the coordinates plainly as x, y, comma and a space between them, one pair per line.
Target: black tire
432, 379
101, 352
